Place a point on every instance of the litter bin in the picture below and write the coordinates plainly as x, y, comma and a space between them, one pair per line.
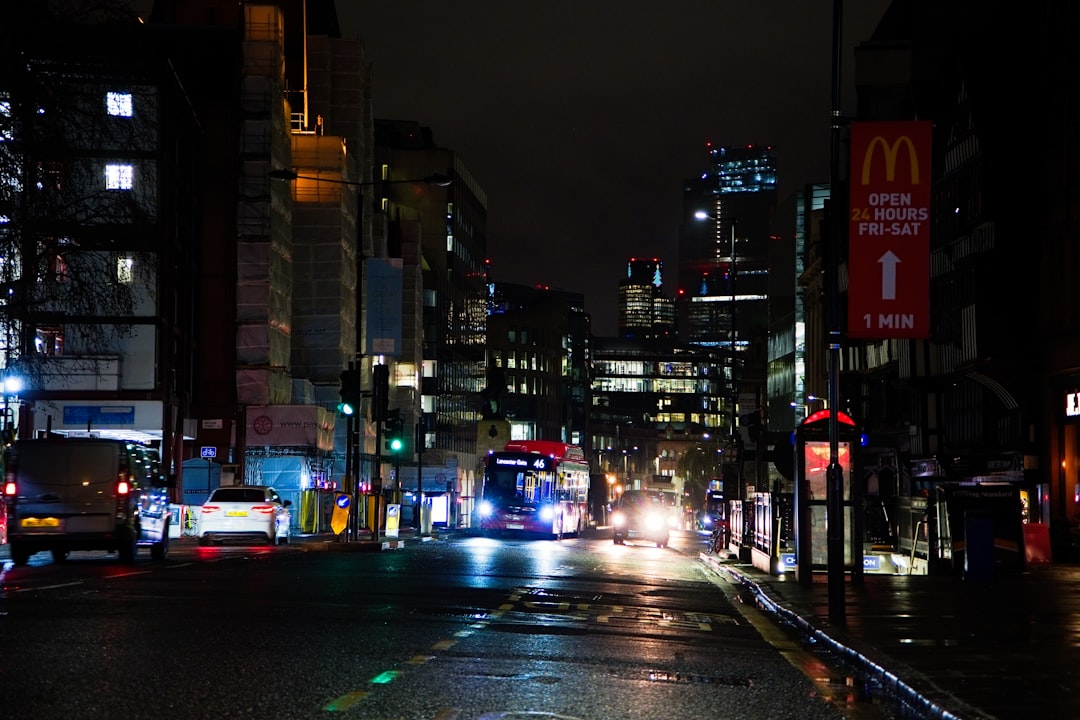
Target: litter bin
425, 517
978, 545
177, 516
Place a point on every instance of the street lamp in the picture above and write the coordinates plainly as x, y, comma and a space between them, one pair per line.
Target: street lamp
834, 482
352, 457
733, 337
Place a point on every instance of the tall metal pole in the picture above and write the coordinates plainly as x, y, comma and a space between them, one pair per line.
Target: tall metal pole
733, 430
354, 514
734, 340
835, 474
376, 482
357, 427
419, 475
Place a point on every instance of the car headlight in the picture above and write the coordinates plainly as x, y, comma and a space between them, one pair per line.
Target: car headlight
547, 513
618, 519
485, 509
655, 521
706, 521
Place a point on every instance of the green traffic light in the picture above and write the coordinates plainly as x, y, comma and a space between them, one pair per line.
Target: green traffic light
345, 408
395, 444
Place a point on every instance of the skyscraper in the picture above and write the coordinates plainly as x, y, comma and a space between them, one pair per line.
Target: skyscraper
644, 310
723, 261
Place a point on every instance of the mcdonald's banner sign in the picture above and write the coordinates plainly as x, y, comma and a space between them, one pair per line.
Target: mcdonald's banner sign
889, 235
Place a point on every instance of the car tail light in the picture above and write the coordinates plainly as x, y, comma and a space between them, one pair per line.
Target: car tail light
207, 509
10, 488
265, 509
123, 487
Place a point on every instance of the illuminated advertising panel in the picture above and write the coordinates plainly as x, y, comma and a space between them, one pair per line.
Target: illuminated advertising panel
889, 230
816, 464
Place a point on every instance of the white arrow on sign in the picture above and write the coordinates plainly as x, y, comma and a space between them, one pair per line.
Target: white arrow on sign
888, 261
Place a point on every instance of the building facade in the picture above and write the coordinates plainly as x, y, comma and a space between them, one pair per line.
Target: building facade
450, 248
538, 362
724, 256
97, 201
644, 310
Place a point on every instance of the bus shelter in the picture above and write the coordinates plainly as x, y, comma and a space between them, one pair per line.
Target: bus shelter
812, 459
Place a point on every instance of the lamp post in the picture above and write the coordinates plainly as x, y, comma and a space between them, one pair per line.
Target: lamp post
801, 411
733, 340
353, 425
834, 488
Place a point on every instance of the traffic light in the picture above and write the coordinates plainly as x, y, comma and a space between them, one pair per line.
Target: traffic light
395, 440
350, 392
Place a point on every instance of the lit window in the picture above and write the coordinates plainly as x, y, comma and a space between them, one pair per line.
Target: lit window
119, 177
118, 104
124, 270
49, 340
5, 115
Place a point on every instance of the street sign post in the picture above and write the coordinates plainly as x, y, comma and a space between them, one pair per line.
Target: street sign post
339, 519
889, 231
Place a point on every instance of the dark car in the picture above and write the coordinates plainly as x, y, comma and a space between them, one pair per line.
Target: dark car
640, 515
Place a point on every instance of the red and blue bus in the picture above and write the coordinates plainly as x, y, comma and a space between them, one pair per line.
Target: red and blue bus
537, 487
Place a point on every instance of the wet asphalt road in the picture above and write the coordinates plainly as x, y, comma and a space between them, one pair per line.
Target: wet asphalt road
453, 629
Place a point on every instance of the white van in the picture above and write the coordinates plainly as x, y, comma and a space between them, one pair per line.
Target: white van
64, 494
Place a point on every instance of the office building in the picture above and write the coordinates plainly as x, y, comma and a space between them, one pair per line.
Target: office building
644, 309
538, 362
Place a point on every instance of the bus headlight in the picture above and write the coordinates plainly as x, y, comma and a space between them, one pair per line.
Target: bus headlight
547, 513
618, 519
485, 509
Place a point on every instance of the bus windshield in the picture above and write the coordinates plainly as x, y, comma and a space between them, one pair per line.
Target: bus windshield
508, 485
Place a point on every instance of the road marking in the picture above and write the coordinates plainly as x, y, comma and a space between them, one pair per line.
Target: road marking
346, 701
48, 587
385, 677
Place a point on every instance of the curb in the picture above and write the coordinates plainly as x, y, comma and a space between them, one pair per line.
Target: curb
913, 700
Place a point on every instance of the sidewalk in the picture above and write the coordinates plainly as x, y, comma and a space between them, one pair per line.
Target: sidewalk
1003, 648
327, 542
313, 542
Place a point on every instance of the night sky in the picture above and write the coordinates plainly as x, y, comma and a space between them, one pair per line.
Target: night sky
582, 118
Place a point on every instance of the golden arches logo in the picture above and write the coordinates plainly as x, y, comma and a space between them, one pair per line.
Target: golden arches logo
890, 151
